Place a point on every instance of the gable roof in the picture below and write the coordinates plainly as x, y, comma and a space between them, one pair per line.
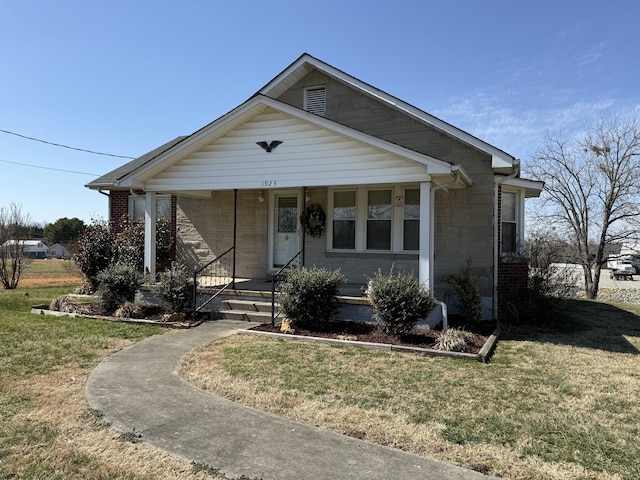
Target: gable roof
135, 173
306, 63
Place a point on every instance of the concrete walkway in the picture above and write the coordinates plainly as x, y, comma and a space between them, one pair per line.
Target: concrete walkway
137, 391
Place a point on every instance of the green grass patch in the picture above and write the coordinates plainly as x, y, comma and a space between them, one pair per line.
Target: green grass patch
563, 399
33, 347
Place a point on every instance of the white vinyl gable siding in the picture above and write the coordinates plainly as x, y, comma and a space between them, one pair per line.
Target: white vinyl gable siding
309, 155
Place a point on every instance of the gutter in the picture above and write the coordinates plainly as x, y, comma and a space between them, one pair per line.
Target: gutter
498, 184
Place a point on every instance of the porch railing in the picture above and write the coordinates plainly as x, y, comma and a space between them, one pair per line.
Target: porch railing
295, 263
214, 277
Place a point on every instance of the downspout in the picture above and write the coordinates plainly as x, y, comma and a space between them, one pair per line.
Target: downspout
496, 231
455, 170
108, 195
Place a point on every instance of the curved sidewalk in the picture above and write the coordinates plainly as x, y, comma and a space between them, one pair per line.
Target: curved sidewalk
137, 390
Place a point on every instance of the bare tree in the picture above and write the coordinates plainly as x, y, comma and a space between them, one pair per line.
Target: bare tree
13, 231
592, 190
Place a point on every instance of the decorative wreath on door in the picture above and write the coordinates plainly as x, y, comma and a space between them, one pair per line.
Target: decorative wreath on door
313, 219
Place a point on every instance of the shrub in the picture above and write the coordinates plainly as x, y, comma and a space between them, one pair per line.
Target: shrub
128, 246
549, 283
118, 284
400, 301
94, 252
453, 340
467, 292
175, 288
308, 296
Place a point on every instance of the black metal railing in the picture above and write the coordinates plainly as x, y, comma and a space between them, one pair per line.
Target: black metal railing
296, 262
213, 278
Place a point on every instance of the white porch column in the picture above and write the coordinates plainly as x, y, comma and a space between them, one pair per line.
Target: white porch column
425, 263
150, 235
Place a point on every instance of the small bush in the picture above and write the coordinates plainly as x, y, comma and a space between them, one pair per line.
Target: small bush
400, 301
308, 296
467, 292
118, 284
175, 288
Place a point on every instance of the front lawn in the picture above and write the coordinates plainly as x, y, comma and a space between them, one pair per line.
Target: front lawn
46, 427
554, 403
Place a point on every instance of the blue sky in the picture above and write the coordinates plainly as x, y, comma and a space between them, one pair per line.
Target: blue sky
123, 77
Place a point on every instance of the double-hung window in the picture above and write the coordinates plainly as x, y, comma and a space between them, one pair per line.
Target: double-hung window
379, 216
411, 220
344, 220
374, 219
137, 203
510, 212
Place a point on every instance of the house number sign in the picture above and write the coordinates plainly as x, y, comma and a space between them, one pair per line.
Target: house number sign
268, 183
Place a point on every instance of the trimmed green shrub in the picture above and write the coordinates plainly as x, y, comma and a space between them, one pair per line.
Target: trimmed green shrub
118, 284
467, 292
308, 296
400, 301
175, 288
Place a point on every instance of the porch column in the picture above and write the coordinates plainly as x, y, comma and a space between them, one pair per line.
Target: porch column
425, 262
150, 235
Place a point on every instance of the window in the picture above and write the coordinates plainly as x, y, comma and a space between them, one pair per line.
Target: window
344, 220
315, 100
375, 219
411, 225
509, 226
136, 208
379, 212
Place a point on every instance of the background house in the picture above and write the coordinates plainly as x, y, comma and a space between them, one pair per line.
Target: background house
58, 251
30, 248
397, 188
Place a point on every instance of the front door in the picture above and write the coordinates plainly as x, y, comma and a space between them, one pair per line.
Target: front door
286, 242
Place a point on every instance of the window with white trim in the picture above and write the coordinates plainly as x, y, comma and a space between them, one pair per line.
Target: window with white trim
411, 220
315, 100
137, 203
344, 220
374, 219
510, 221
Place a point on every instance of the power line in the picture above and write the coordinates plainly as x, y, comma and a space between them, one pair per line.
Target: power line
49, 168
64, 146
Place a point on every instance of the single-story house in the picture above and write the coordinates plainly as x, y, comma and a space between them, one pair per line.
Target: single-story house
378, 183
30, 248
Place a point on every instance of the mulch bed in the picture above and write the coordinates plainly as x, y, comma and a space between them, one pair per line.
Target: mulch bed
368, 332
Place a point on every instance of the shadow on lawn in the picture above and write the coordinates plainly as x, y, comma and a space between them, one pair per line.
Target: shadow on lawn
586, 324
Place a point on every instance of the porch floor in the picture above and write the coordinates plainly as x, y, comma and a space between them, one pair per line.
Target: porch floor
262, 285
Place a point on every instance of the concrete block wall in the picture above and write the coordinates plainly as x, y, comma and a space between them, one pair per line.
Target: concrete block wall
205, 230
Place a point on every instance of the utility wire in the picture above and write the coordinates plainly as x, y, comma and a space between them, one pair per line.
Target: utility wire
64, 146
49, 168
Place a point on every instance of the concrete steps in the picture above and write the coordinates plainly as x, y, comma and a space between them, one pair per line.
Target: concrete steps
248, 310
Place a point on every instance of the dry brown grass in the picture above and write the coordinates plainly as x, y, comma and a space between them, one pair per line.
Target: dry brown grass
451, 392
85, 446
49, 273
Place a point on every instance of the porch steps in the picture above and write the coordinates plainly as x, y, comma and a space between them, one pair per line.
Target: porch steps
249, 310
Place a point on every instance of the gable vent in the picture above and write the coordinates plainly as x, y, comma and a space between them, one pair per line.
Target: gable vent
315, 100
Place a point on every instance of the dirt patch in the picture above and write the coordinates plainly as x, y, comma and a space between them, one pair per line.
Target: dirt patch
368, 332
